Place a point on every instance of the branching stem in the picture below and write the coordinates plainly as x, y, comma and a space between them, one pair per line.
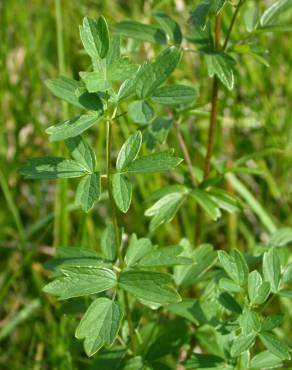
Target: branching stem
109, 123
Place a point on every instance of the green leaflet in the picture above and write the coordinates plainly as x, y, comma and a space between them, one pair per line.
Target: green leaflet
287, 275
203, 258
207, 203
276, 347
249, 322
95, 82
164, 256
165, 209
95, 37
258, 291
152, 74
170, 26
129, 151
265, 360
242, 344
67, 88
225, 200
81, 281
99, 325
140, 111
122, 192
251, 18
151, 286
48, 168
281, 237
229, 285
73, 127
272, 269
220, 64
108, 244
121, 70
140, 31
156, 132
272, 321
88, 191
157, 162
200, 14
234, 265
64, 88
82, 152
114, 51
174, 95
137, 249
271, 15
202, 361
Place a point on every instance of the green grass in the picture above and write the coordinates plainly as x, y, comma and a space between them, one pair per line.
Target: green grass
34, 332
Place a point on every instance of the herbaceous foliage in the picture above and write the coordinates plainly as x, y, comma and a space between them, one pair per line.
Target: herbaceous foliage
233, 291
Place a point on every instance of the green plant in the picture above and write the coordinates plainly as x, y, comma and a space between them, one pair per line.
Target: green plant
231, 308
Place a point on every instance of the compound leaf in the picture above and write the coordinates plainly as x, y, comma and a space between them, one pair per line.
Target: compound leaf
99, 325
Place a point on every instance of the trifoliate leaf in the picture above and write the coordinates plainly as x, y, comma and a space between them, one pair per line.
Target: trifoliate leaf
234, 265
99, 325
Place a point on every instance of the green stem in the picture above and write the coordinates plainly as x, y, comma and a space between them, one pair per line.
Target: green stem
61, 221
115, 223
232, 24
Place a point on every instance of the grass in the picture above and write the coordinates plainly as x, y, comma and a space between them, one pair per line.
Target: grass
34, 332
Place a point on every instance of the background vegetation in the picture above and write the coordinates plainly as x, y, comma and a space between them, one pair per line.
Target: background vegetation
254, 118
